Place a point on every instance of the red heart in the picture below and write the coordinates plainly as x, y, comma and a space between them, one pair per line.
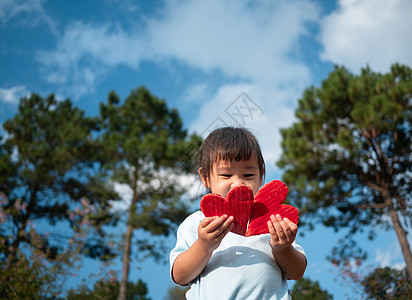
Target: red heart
268, 201
238, 203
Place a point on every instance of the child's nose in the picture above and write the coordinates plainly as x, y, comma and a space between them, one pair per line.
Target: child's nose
237, 181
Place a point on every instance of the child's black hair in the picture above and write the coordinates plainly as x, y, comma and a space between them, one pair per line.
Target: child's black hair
231, 144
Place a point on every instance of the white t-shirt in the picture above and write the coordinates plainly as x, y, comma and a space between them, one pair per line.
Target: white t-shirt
240, 268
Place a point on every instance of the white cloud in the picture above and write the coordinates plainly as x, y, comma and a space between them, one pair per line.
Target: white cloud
9, 9
26, 13
384, 259
129, 6
391, 257
125, 193
189, 183
272, 111
251, 40
242, 39
254, 45
196, 93
374, 32
192, 184
399, 266
12, 95
86, 52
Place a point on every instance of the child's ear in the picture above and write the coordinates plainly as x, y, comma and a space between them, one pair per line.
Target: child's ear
204, 179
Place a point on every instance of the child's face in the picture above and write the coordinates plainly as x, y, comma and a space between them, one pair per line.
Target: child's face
225, 175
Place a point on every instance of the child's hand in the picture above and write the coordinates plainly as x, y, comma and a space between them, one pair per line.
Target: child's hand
282, 232
212, 230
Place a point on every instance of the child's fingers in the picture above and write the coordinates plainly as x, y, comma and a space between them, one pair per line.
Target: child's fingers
289, 229
206, 221
293, 227
280, 226
272, 231
228, 225
284, 231
217, 222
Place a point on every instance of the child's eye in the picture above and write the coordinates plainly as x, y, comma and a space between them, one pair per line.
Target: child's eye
249, 175
225, 175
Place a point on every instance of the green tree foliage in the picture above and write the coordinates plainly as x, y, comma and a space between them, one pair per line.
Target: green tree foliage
387, 283
347, 159
306, 289
47, 168
145, 143
34, 275
109, 290
176, 293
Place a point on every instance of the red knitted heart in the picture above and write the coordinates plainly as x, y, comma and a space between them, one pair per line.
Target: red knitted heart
268, 201
238, 203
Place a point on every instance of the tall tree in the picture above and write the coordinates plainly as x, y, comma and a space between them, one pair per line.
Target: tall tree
347, 158
47, 165
145, 141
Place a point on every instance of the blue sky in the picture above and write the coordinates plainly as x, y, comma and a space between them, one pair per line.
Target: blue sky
218, 62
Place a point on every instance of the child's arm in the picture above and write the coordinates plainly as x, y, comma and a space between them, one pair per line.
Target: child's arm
189, 264
283, 233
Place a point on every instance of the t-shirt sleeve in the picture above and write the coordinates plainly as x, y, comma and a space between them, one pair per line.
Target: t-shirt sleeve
186, 235
299, 248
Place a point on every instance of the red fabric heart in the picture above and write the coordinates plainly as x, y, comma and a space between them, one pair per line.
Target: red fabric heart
238, 203
268, 201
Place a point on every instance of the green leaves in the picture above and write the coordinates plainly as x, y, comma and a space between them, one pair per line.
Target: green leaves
354, 129
143, 141
306, 289
144, 138
54, 158
347, 159
387, 283
48, 164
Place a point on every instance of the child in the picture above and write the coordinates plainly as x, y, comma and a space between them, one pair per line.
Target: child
218, 264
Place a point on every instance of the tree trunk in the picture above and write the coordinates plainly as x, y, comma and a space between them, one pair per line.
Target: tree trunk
400, 232
127, 244
126, 258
